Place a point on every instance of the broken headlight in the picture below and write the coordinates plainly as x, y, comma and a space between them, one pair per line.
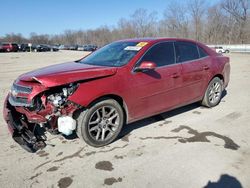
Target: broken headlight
60, 95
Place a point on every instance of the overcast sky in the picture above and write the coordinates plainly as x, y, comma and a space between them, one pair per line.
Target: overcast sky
55, 16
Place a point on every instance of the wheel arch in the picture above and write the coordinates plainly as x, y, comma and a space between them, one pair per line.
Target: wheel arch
117, 98
220, 76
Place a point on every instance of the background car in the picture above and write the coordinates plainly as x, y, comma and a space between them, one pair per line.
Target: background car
80, 48
73, 47
54, 48
89, 47
220, 49
9, 47
15, 47
46, 48
26, 48
42, 48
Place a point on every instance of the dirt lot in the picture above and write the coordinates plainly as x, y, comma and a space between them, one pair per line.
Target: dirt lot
188, 147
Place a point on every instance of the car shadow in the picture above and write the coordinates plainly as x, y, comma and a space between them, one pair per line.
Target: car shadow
145, 122
160, 117
153, 74
154, 119
224, 181
224, 93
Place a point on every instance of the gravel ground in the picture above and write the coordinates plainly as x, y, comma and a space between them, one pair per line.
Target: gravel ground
189, 147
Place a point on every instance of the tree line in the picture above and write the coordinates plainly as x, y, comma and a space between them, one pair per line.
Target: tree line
226, 22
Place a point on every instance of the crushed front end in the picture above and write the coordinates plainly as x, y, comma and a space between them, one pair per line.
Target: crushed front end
31, 109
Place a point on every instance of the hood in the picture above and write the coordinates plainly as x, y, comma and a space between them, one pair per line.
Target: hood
66, 73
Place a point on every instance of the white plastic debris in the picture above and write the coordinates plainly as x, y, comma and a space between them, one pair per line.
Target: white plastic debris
66, 125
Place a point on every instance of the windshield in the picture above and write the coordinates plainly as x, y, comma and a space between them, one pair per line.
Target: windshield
115, 54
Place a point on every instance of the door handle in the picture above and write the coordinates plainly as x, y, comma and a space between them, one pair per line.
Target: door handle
175, 75
205, 67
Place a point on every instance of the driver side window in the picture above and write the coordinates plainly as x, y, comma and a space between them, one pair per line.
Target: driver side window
161, 54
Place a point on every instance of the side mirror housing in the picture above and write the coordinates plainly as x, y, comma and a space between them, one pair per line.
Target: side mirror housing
146, 66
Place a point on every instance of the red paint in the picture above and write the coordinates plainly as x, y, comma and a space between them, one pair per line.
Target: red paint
147, 65
65, 73
144, 93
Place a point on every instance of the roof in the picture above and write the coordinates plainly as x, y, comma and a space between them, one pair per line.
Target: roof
157, 39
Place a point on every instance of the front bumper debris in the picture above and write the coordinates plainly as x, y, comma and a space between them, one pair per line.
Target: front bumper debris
30, 140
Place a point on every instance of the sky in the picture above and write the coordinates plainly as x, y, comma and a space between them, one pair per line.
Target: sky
56, 16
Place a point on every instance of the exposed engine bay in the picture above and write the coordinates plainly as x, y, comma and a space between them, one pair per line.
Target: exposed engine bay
32, 110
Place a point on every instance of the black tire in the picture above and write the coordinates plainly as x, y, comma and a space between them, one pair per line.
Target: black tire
91, 134
212, 95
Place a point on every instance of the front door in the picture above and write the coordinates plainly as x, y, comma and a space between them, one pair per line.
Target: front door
156, 90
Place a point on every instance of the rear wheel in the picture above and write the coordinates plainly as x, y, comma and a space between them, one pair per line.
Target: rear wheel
213, 93
100, 124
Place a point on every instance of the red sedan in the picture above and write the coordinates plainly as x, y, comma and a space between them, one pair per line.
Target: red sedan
120, 83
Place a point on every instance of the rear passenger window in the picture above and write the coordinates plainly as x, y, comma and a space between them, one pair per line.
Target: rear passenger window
162, 54
186, 51
202, 52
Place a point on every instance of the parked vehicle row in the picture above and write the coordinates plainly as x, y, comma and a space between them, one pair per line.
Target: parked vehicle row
26, 47
88, 47
37, 48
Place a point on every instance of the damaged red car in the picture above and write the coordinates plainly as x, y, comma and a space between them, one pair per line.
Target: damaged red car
122, 82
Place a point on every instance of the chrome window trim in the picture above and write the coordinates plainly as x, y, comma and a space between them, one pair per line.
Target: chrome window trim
174, 41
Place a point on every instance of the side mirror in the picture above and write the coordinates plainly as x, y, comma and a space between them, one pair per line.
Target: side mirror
146, 66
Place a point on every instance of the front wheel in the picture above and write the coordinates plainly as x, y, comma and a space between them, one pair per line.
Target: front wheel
101, 123
213, 93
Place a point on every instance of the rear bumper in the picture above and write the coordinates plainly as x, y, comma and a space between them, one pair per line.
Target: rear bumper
20, 131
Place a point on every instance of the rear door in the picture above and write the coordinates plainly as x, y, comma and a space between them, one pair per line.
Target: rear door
155, 91
193, 74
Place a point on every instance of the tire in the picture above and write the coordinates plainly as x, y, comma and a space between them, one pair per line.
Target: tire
97, 129
213, 93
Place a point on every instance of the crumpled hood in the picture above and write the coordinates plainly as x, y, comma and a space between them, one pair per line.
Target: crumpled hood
66, 73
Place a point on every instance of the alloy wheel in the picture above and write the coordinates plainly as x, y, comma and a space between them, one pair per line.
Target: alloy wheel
215, 91
103, 123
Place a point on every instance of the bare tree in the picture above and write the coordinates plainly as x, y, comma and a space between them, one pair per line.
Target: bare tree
227, 21
39, 39
197, 11
215, 25
69, 37
239, 10
144, 23
125, 29
12, 37
175, 22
